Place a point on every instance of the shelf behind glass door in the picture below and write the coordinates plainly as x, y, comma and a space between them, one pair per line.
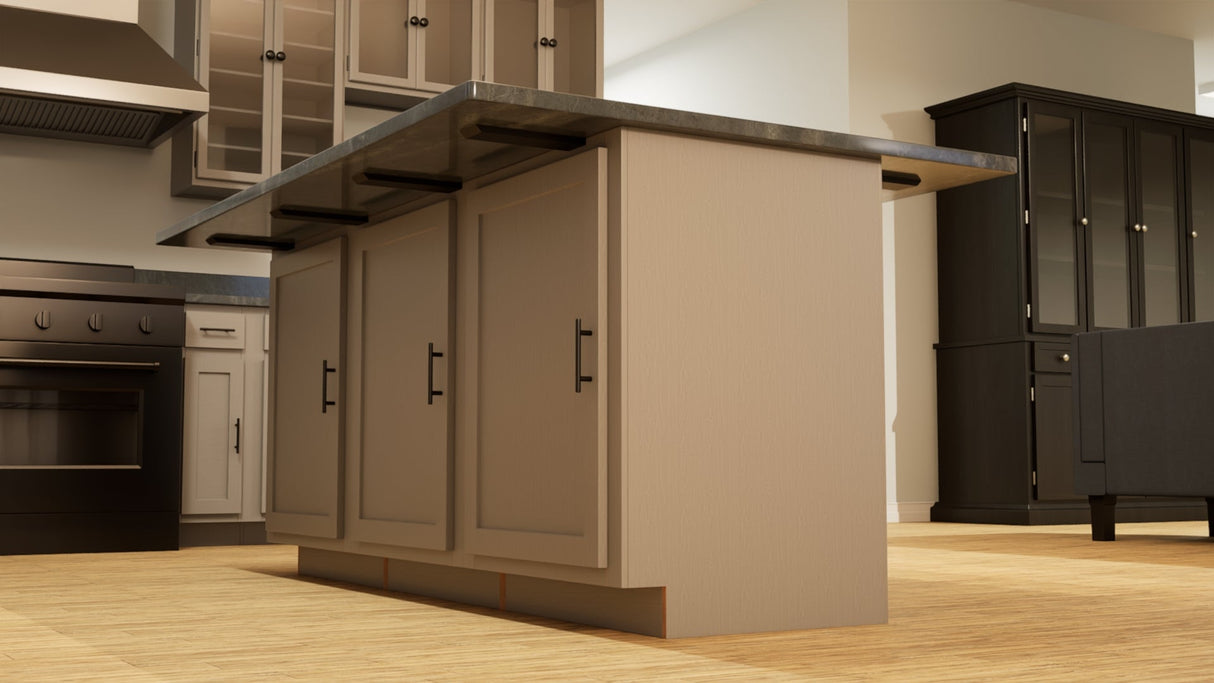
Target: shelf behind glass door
1160, 213
308, 74
1201, 179
1052, 173
236, 80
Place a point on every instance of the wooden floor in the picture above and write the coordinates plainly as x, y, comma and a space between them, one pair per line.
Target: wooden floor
967, 602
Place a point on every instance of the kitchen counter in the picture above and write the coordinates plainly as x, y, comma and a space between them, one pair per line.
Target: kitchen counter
477, 129
596, 361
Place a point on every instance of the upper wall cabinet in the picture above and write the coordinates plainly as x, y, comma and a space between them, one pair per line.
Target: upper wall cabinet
271, 67
402, 52
546, 44
422, 45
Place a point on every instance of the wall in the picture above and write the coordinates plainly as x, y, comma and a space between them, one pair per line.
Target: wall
905, 55
773, 62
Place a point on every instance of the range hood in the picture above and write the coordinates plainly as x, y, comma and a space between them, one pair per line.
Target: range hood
90, 79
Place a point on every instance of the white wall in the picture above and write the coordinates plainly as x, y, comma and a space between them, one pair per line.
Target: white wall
907, 54
78, 201
783, 61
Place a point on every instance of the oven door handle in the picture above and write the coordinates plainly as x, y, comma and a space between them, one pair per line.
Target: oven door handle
79, 364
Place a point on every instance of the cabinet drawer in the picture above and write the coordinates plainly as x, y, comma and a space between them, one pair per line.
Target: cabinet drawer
214, 327
1052, 357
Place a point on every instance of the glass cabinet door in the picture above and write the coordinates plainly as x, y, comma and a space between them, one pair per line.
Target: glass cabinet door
1159, 214
445, 42
307, 66
381, 41
1108, 215
514, 28
1053, 203
234, 135
574, 58
1201, 224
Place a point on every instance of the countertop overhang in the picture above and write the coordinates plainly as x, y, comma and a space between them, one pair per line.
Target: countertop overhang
478, 128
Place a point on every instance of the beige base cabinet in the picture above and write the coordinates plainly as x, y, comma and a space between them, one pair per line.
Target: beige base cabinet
401, 52
662, 375
273, 68
307, 289
224, 392
399, 413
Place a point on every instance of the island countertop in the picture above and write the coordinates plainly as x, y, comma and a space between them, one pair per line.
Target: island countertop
479, 128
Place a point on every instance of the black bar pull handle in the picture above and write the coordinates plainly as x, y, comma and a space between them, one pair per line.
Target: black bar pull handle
578, 333
217, 329
431, 392
324, 386
238, 435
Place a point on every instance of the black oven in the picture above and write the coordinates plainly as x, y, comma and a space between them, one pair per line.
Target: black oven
90, 415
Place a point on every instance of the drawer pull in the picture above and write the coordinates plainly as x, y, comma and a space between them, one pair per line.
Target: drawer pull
431, 392
578, 377
217, 329
1065, 358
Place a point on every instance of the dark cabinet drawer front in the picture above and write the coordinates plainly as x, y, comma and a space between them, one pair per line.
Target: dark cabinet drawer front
1052, 357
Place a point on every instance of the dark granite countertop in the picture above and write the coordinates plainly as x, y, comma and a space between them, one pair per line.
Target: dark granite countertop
478, 128
208, 288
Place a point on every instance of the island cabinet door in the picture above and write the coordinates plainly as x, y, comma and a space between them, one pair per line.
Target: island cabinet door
306, 375
537, 327
398, 414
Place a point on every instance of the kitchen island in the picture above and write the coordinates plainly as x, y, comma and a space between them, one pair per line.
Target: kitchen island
604, 362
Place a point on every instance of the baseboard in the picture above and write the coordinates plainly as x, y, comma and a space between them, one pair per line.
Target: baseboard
222, 533
908, 512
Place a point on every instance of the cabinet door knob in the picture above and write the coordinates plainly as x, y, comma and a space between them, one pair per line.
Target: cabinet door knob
1083, 221
414, 21
544, 41
269, 55
552, 42
281, 56
423, 22
1137, 228
1193, 234
1065, 358
1144, 228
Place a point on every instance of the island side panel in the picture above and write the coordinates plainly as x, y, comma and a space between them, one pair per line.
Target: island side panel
751, 299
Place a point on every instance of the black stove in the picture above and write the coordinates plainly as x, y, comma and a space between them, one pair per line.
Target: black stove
90, 409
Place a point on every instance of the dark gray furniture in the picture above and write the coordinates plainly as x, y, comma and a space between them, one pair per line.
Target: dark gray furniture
1144, 416
1109, 225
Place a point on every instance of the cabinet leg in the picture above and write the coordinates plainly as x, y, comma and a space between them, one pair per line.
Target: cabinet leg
1210, 515
1103, 519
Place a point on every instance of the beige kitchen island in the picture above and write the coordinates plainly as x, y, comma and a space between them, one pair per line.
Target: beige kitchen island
603, 362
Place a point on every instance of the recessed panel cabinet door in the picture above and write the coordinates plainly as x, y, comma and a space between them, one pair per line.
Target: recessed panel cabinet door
306, 375
399, 412
538, 485
214, 405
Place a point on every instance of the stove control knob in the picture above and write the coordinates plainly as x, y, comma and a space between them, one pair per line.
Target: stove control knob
95, 321
145, 324
43, 320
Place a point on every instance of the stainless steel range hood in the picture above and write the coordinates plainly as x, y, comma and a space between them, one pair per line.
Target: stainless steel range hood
90, 79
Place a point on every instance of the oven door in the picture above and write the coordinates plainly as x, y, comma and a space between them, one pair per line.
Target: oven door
90, 447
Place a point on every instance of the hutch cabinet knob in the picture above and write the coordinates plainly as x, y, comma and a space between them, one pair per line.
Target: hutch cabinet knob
1144, 228
544, 41
414, 21
423, 22
1137, 228
1193, 234
1083, 221
1065, 358
281, 56
552, 42
270, 55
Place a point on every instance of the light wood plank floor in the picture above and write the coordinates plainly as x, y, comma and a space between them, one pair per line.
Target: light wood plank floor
967, 602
